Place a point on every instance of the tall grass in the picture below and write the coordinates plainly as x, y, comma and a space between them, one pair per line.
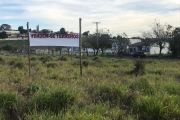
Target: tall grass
106, 91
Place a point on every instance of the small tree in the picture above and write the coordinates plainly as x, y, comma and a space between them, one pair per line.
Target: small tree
63, 31
5, 27
161, 34
85, 43
20, 28
3, 35
175, 43
103, 42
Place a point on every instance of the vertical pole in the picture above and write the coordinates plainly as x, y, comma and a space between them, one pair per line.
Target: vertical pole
71, 52
80, 47
97, 33
29, 51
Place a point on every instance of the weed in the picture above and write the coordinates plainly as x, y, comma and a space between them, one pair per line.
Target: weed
139, 67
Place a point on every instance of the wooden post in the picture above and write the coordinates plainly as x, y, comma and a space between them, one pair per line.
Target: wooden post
29, 51
71, 52
80, 47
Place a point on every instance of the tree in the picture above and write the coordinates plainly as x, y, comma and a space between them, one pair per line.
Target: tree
146, 39
86, 33
63, 31
174, 44
103, 42
45, 31
5, 27
59, 48
85, 43
161, 34
34, 31
3, 35
20, 28
122, 41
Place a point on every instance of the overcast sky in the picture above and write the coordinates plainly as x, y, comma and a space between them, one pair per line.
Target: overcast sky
117, 16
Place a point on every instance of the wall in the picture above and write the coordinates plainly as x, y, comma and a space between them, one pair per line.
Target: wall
155, 50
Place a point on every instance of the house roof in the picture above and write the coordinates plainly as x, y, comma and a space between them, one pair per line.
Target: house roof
136, 44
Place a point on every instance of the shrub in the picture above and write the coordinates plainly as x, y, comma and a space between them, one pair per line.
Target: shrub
95, 58
54, 101
63, 58
19, 65
85, 63
139, 67
115, 95
31, 90
51, 65
7, 100
12, 63
33, 58
2, 61
157, 108
46, 59
143, 86
8, 104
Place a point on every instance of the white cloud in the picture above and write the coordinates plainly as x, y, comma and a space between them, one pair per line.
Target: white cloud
130, 16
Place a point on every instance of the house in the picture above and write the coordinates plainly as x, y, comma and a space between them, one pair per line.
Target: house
150, 49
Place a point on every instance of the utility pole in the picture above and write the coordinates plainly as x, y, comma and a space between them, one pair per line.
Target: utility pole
97, 30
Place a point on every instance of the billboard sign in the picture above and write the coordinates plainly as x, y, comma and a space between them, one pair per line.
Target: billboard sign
36, 39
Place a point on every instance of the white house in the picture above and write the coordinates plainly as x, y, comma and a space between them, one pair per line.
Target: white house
149, 49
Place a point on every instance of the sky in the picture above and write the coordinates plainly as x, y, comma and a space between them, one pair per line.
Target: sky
115, 16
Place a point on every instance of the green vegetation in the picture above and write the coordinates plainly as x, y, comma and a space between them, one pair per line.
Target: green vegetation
14, 43
106, 91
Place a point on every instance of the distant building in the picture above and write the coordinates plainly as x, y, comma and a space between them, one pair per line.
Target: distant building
12, 33
150, 49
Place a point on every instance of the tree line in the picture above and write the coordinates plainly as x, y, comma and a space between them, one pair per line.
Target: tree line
159, 35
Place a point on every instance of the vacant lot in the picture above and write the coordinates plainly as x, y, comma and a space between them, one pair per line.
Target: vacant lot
108, 89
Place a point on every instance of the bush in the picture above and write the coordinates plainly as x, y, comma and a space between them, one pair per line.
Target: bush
51, 65
7, 47
2, 61
12, 63
114, 95
46, 59
95, 58
85, 63
54, 101
31, 90
8, 104
139, 67
157, 108
63, 58
143, 86
7, 100
33, 58
19, 65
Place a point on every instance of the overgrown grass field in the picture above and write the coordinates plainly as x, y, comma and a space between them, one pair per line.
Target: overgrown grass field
110, 89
